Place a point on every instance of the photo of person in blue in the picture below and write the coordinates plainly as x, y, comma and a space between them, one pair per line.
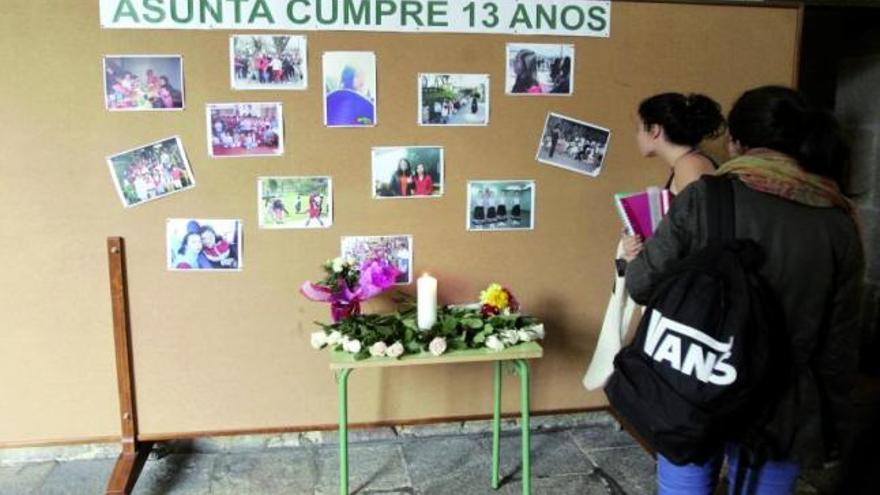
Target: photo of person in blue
349, 89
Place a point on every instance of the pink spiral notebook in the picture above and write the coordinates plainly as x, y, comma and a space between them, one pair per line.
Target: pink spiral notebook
641, 211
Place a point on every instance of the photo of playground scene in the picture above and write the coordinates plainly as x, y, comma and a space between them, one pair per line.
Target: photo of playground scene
397, 250
245, 129
268, 62
573, 145
150, 172
453, 99
295, 202
498, 205
143, 82
349, 89
407, 172
536, 69
203, 244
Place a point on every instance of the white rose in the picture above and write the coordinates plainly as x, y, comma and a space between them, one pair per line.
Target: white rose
437, 346
395, 350
494, 343
509, 337
353, 346
526, 335
378, 349
337, 265
334, 338
538, 330
319, 339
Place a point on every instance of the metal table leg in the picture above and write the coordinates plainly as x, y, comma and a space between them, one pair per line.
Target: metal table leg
342, 385
496, 423
522, 367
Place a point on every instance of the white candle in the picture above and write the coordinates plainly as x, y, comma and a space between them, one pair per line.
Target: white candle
427, 301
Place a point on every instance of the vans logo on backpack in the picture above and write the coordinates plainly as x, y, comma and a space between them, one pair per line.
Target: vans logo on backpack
704, 357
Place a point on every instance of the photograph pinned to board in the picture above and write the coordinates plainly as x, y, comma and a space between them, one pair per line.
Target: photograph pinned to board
453, 99
143, 83
268, 61
295, 202
151, 171
245, 129
499, 205
397, 250
349, 89
407, 172
540, 69
203, 244
573, 145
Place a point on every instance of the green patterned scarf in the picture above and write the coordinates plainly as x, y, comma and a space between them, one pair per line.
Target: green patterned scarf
780, 175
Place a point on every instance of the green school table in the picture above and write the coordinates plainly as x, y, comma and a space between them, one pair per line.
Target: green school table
343, 363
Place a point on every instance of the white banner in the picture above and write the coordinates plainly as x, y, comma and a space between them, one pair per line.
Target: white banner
523, 17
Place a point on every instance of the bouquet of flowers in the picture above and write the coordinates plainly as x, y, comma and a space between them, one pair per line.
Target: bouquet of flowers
347, 284
494, 323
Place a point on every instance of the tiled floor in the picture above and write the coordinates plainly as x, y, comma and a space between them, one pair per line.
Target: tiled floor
571, 455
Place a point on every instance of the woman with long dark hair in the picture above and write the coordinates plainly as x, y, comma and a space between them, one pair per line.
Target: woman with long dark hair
402, 180
525, 66
786, 174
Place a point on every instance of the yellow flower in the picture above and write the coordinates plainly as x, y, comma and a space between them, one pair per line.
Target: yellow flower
496, 296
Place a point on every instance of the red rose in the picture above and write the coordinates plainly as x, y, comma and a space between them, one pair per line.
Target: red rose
488, 310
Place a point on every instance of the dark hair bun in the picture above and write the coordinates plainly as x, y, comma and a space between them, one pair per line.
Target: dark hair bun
686, 120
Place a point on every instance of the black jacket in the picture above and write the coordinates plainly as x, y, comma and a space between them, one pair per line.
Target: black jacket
814, 263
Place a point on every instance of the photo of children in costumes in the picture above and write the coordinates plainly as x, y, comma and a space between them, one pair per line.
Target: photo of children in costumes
143, 82
295, 202
268, 62
150, 172
245, 129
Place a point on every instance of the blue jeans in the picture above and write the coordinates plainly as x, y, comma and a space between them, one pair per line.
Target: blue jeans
773, 478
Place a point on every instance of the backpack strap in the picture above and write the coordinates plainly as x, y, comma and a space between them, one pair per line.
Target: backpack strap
721, 210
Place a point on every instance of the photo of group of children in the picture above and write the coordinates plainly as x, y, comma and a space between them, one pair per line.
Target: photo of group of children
539, 69
150, 172
453, 99
268, 62
245, 129
200, 244
407, 172
143, 82
295, 202
397, 250
573, 145
501, 205
248, 129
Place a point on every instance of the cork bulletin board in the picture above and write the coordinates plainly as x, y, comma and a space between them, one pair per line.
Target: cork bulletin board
223, 352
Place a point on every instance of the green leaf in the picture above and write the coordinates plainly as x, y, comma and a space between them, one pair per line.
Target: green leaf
473, 323
487, 329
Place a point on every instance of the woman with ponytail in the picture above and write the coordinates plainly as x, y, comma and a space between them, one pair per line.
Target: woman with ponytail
788, 163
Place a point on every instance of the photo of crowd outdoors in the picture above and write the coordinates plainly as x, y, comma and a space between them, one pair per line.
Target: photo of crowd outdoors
540, 69
453, 99
407, 172
203, 244
573, 145
397, 250
349, 89
150, 172
501, 205
245, 129
295, 202
143, 82
268, 62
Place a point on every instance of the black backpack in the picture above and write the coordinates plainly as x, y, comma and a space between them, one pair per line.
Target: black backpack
709, 353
